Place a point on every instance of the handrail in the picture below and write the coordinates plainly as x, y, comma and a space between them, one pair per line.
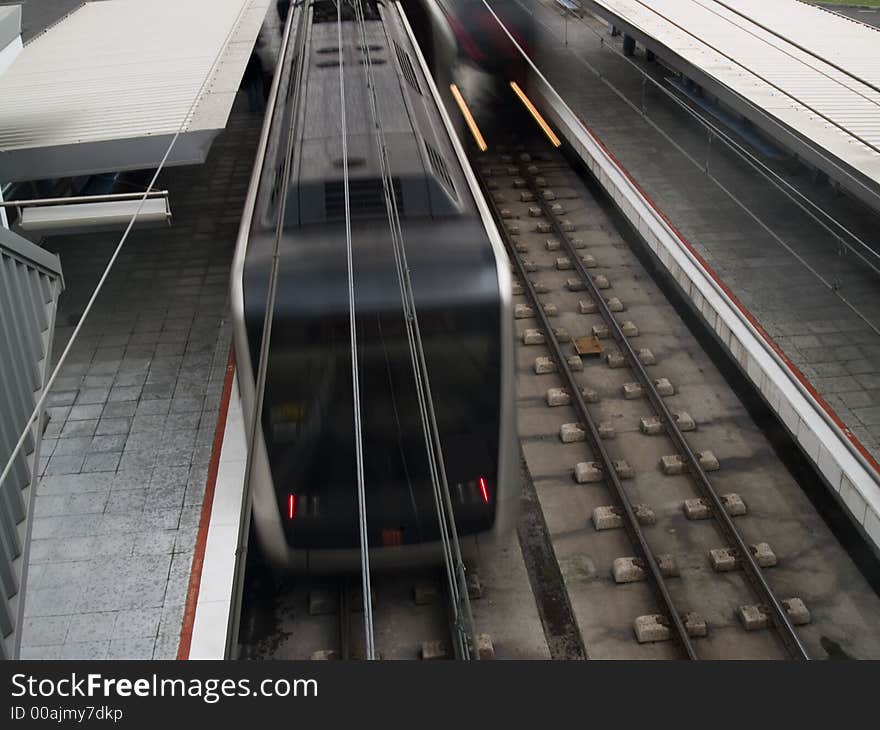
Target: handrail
37, 202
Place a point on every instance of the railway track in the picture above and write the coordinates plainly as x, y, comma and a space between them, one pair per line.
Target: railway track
531, 194
322, 618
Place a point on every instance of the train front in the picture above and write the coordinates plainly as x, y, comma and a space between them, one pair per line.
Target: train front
466, 35
308, 416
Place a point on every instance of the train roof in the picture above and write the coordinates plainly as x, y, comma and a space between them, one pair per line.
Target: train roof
425, 184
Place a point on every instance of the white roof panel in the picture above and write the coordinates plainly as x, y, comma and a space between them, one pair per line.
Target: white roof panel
777, 57
841, 41
108, 86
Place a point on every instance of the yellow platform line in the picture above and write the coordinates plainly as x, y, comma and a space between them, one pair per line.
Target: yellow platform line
469, 118
535, 113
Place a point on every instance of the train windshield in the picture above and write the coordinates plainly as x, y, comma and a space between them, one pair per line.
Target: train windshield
308, 412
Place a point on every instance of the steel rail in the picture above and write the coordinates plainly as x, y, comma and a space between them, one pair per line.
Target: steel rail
752, 570
631, 523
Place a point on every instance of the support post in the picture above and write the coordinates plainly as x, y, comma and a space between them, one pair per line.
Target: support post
3, 220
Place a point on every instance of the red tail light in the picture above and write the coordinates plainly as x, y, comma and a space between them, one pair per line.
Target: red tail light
392, 538
291, 506
484, 490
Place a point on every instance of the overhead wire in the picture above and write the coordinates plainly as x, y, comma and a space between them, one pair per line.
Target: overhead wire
455, 570
359, 448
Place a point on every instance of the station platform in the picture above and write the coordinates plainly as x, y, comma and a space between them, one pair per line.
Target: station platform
819, 307
805, 77
126, 454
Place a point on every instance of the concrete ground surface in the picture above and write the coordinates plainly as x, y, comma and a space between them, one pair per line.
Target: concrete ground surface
125, 456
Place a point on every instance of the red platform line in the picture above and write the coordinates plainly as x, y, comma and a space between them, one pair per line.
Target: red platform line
742, 308
195, 576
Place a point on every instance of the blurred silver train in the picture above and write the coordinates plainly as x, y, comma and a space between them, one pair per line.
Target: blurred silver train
305, 511
460, 35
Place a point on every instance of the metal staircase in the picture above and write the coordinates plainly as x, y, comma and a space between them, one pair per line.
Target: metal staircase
30, 284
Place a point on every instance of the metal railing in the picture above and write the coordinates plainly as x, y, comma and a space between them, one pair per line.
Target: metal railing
110, 197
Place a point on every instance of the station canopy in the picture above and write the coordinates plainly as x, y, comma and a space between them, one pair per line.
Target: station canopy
809, 71
108, 86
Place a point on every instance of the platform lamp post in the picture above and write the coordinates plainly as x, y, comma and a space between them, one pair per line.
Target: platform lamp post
567, 10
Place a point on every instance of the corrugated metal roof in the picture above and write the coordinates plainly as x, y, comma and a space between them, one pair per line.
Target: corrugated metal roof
834, 107
800, 71
845, 42
126, 70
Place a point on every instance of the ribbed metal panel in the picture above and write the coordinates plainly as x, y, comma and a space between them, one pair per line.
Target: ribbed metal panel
126, 70
828, 99
114, 70
844, 42
786, 55
30, 282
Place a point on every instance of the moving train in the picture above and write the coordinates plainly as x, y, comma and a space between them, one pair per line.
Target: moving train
303, 479
465, 34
